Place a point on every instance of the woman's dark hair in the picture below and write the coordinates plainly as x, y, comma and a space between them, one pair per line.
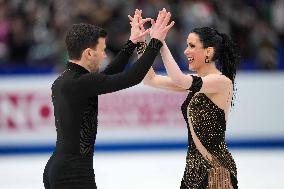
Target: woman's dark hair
226, 53
82, 36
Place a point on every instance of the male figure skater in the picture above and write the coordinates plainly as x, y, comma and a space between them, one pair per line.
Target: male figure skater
75, 97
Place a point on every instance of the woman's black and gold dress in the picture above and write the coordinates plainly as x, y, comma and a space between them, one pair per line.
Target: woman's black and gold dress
206, 132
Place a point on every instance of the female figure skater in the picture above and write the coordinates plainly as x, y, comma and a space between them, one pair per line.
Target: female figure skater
206, 108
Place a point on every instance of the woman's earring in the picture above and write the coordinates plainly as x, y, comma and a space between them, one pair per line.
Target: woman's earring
206, 59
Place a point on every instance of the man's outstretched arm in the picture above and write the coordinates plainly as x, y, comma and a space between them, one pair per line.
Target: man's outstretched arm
119, 62
92, 84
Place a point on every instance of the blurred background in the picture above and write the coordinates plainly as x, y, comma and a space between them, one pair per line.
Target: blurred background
142, 137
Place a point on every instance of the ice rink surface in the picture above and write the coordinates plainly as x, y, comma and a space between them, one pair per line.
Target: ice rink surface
257, 169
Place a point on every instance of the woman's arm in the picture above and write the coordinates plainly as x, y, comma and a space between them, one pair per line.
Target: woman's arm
154, 80
159, 81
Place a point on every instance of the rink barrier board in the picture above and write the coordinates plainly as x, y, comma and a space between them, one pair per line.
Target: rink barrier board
130, 118
251, 144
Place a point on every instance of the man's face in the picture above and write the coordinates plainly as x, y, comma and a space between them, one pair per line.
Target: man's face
98, 55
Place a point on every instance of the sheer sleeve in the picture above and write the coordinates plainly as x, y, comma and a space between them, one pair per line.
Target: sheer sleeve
121, 59
196, 84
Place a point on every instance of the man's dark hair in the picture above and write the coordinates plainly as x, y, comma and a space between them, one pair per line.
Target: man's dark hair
82, 36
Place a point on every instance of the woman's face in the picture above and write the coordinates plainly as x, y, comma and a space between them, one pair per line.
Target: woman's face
195, 52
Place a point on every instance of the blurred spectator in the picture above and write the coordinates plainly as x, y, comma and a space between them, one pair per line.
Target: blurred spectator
264, 41
4, 31
32, 31
18, 42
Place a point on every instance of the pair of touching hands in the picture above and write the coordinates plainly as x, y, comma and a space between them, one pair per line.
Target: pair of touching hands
158, 30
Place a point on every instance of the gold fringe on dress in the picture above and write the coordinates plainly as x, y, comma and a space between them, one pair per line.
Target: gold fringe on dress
218, 176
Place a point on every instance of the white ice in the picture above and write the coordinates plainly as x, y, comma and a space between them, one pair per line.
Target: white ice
257, 169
